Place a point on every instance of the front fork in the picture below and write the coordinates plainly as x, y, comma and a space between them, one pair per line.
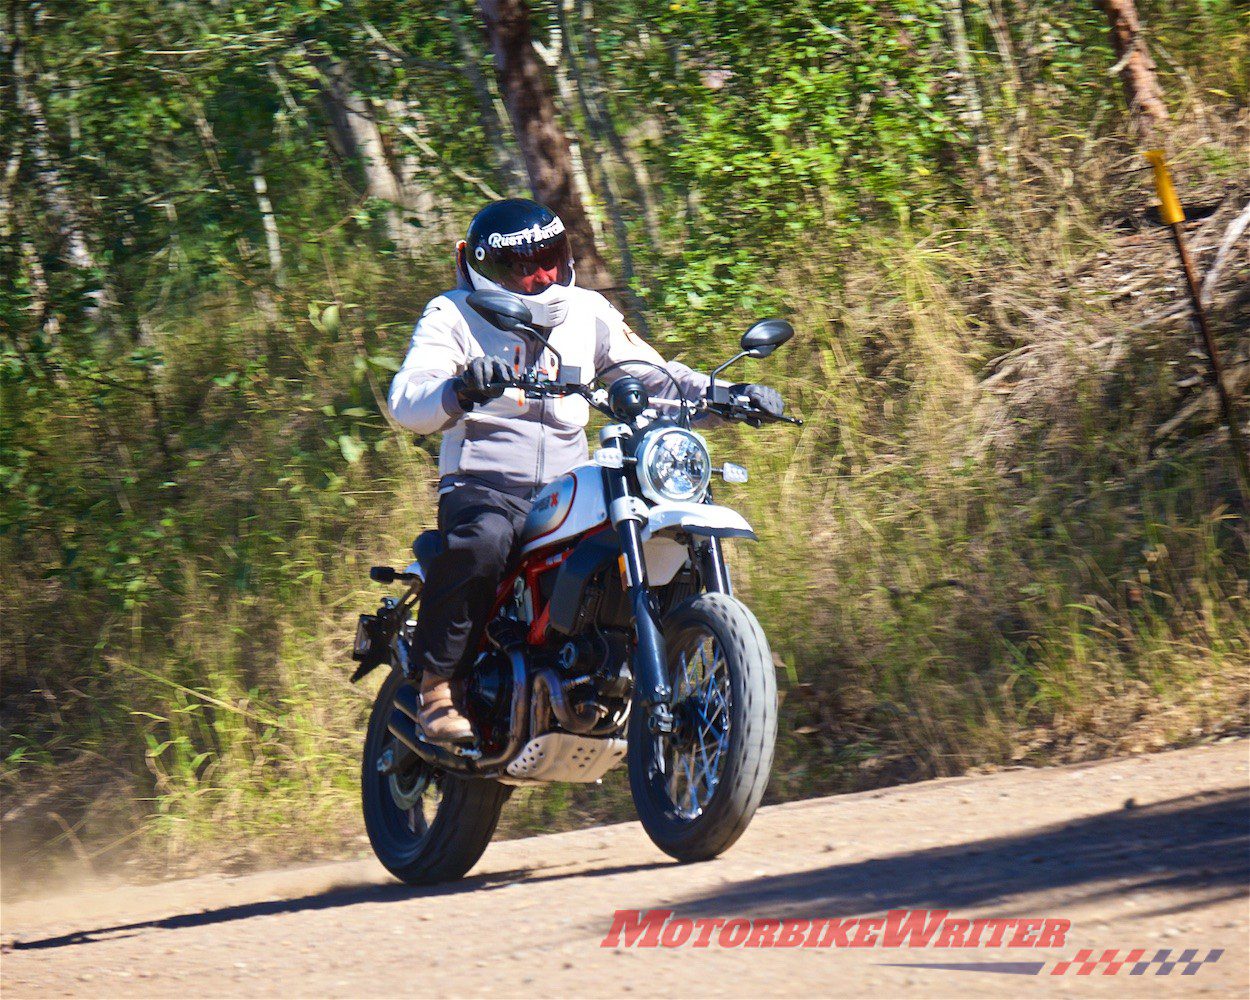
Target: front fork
628, 514
651, 688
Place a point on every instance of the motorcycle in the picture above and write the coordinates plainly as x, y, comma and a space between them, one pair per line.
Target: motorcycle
615, 637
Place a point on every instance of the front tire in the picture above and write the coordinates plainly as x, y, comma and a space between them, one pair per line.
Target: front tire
697, 789
424, 824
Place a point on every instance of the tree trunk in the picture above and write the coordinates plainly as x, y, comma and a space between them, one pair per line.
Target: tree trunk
508, 166
357, 136
557, 56
277, 266
1137, 69
632, 163
62, 213
974, 111
576, 90
543, 143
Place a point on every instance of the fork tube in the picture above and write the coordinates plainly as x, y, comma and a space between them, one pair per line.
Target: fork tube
650, 677
649, 674
715, 572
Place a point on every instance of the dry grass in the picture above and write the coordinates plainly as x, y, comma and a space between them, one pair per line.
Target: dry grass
976, 552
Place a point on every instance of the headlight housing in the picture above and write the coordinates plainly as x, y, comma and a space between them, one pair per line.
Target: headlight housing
673, 464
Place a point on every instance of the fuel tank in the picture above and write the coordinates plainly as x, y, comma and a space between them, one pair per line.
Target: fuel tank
566, 507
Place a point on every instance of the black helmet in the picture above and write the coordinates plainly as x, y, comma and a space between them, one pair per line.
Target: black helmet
519, 245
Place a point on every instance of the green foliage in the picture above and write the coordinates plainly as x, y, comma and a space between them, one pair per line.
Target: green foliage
195, 469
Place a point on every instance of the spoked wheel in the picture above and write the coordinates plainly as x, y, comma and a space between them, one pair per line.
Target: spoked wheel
424, 825
694, 756
697, 787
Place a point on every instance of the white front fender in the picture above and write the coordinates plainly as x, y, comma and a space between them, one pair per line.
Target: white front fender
697, 519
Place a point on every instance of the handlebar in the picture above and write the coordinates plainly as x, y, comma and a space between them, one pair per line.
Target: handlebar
738, 409
535, 388
741, 410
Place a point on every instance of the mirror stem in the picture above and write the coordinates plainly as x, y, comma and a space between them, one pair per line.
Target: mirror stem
533, 331
711, 386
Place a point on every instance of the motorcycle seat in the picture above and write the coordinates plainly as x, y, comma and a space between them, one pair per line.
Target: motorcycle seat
428, 546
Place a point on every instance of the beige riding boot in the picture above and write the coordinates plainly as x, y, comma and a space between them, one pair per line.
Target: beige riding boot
439, 719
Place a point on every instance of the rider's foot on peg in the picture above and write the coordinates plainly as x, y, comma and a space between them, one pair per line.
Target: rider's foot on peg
439, 719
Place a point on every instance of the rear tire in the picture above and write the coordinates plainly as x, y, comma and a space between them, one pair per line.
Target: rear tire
740, 689
424, 825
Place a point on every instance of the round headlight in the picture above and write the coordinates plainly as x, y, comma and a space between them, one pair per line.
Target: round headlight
673, 464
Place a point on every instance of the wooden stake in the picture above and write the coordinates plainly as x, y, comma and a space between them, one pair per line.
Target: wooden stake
1171, 212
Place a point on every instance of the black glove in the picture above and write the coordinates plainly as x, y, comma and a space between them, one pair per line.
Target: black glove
761, 396
483, 379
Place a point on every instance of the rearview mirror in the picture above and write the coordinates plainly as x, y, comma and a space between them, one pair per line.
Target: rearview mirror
765, 337
501, 309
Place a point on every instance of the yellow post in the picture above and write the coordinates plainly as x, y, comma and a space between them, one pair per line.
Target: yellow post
1169, 204
1173, 214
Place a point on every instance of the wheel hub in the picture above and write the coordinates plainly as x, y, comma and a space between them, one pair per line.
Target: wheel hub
407, 789
691, 724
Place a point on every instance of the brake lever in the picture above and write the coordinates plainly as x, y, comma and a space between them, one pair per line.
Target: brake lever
757, 418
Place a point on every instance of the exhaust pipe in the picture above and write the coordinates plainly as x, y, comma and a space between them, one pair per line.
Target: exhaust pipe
406, 701
403, 726
581, 720
518, 730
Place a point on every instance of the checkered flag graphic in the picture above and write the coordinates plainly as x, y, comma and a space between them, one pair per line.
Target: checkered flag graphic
1187, 958
1112, 963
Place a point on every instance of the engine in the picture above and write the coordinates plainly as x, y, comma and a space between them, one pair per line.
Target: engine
585, 685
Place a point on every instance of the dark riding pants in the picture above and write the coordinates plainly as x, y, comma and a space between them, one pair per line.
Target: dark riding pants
481, 527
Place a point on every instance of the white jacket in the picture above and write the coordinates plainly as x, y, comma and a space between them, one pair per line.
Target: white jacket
513, 443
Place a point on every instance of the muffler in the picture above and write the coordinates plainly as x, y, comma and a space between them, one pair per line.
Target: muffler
403, 726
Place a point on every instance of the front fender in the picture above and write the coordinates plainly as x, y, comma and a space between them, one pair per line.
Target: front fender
704, 519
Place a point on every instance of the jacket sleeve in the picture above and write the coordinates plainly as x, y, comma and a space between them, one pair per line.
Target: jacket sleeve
421, 396
617, 343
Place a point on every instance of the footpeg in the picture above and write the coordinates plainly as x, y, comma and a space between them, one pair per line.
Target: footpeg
469, 750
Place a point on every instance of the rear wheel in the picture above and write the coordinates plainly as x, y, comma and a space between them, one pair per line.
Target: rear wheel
697, 788
424, 824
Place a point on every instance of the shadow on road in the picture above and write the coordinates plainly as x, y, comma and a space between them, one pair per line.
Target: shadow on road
1198, 842
340, 896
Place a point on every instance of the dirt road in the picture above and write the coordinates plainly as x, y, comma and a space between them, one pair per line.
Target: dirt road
1147, 853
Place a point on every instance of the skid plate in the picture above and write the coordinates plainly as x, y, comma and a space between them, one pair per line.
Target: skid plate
566, 757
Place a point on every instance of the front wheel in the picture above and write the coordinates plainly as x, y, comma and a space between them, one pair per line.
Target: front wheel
424, 825
697, 788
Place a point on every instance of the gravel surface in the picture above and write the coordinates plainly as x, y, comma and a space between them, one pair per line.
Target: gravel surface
1148, 852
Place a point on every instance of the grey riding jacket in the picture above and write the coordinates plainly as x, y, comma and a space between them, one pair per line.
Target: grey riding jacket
513, 443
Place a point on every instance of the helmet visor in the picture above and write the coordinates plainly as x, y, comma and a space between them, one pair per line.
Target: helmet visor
526, 268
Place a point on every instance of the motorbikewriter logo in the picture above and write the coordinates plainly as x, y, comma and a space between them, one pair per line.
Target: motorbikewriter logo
897, 929
900, 929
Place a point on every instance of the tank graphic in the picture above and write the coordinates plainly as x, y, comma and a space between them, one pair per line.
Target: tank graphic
570, 505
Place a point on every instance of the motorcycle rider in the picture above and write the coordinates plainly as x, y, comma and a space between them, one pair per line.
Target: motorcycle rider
498, 448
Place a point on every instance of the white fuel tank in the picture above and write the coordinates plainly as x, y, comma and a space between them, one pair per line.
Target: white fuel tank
569, 506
